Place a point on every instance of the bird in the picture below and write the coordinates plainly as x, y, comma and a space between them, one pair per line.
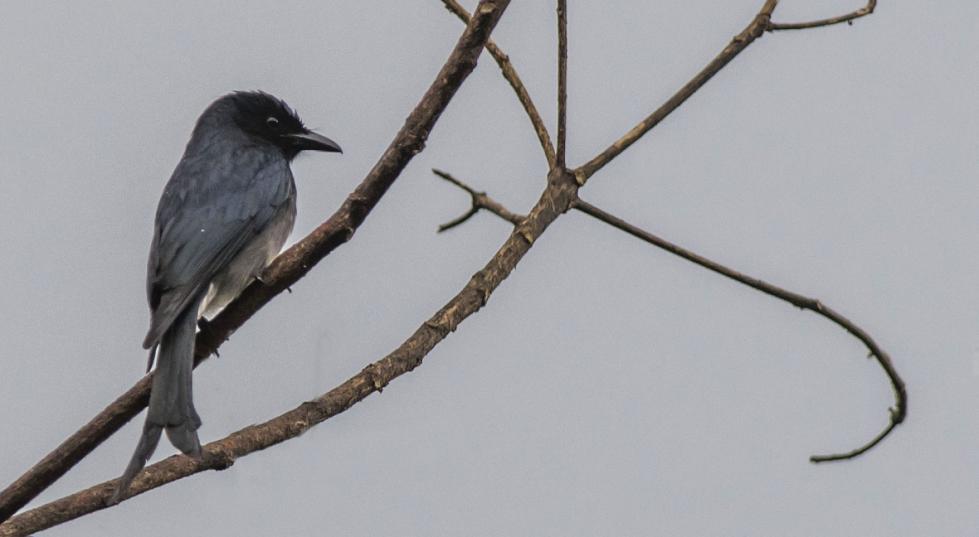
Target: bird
223, 216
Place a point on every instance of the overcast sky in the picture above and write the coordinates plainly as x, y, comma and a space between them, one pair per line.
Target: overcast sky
607, 388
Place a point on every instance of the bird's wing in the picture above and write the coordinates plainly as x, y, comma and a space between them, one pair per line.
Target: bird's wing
207, 214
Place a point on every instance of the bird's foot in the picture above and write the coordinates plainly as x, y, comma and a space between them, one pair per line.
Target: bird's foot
205, 327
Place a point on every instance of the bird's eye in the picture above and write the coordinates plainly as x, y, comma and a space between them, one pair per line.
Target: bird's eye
272, 122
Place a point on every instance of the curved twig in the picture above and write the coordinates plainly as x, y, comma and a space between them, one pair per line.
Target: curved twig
894, 422
460, 219
848, 18
900, 409
288, 268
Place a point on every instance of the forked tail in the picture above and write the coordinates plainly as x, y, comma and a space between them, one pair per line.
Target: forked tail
171, 405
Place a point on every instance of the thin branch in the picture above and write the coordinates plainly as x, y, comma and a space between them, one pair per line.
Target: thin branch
562, 81
479, 201
510, 74
460, 219
848, 18
897, 413
894, 422
288, 267
558, 196
740, 42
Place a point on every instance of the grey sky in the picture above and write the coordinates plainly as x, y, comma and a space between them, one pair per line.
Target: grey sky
608, 388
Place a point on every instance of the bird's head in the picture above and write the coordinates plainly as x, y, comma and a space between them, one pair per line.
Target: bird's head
271, 120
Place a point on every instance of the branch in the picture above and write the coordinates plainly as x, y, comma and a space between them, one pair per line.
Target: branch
848, 18
740, 42
555, 200
479, 201
562, 81
510, 74
761, 22
287, 268
900, 409
897, 413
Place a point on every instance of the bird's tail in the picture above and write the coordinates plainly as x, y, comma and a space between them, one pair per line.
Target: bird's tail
171, 406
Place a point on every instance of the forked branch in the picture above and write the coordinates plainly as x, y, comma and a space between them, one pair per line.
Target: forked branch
896, 413
848, 18
753, 31
760, 23
479, 201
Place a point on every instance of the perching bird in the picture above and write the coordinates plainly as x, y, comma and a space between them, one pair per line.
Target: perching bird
224, 215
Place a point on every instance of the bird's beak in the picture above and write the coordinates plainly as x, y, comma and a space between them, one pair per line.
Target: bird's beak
310, 140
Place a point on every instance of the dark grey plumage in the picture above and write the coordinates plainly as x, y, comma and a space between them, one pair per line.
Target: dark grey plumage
224, 214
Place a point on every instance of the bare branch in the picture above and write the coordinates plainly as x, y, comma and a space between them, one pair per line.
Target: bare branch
510, 74
740, 42
897, 413
761, 23
848, 18
288, 267
562, 81
479, 201
897, 416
